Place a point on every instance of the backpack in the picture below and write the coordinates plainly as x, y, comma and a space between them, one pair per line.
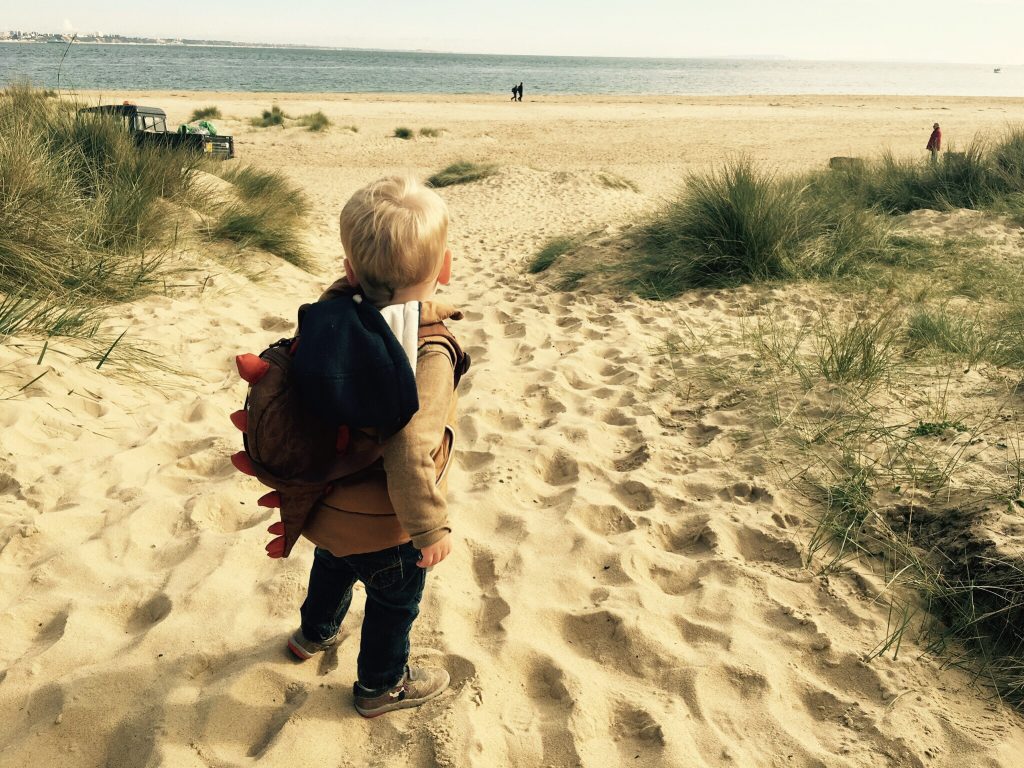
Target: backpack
321, 405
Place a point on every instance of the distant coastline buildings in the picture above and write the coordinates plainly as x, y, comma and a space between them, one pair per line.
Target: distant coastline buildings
19, 36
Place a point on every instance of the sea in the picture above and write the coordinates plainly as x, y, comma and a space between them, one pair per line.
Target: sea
222, 68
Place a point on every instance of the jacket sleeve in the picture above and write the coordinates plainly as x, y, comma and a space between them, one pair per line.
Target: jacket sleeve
418, 500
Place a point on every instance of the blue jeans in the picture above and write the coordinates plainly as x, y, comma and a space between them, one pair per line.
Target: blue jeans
394, 586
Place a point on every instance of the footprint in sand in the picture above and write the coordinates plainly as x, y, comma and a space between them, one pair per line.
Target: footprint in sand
618, 417
295, 695
276, 323
555, 704
494, 608
632, 460
224, 512
633, 723
757, 546
693, 537
604, 519
697, 633
52, 631
747, 493
558, 467
635, 495
471, 461
148, 614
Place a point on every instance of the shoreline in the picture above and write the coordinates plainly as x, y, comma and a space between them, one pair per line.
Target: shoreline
546, 98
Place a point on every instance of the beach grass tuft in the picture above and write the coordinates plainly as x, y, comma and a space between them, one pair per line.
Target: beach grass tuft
269, 118
430, 133
462, 172
268, 214
206, 113
549, 253
315, 121
742, 224
403, 133
862, 351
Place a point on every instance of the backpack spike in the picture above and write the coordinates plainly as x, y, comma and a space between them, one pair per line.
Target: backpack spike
251, 367
240, 419
272, 499
243, 463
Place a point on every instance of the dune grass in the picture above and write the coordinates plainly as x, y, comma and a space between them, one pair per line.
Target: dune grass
986, 174
550, 253
78, 202
269, 118
745, 224
206, 113
403, 133
462, 172
87, 218
431, 133
964, 605
888, 465
742, 224
315, 121
861, 351
268, 215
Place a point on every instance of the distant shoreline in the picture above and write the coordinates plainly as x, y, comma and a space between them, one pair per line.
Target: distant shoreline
910, 103
199, 44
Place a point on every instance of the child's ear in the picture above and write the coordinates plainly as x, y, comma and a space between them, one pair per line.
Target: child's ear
351, 275
445, 275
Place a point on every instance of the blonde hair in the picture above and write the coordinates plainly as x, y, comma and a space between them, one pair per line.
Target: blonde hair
394, 233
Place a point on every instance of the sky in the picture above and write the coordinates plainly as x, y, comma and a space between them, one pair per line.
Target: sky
974, 31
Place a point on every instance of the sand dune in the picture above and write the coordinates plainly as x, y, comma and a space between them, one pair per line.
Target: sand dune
628, 586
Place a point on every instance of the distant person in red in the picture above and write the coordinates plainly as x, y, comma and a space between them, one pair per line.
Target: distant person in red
935, 143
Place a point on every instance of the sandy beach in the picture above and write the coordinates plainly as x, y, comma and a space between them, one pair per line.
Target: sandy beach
628, 585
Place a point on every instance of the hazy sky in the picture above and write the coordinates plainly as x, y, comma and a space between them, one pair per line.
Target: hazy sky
983, 31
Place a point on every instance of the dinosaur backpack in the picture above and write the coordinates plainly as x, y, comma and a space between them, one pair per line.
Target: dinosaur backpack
321, 405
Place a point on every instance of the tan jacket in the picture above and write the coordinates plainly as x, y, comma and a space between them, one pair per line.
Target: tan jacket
402, 497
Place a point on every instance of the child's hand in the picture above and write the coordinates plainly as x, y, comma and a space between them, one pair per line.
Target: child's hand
436, 552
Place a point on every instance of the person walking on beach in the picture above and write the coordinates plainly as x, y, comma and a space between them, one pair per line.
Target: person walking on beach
520, 88
515, 93
935, 143
388, 524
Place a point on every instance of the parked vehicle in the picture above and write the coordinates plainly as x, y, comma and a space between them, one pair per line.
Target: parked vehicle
149, 126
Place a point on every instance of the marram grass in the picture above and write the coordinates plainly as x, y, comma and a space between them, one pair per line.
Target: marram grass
84, 217
462, 172
742, 224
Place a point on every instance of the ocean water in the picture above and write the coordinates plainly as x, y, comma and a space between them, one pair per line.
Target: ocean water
155, 67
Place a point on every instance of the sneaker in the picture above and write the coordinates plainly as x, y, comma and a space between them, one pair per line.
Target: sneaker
420, 684
304, 648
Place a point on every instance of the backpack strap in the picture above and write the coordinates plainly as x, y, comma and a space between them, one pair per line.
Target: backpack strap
439, 335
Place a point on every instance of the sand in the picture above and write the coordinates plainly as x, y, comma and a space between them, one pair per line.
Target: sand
627, 586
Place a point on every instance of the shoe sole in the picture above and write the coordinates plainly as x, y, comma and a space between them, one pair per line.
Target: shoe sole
302, 654
298, 652
369, 714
